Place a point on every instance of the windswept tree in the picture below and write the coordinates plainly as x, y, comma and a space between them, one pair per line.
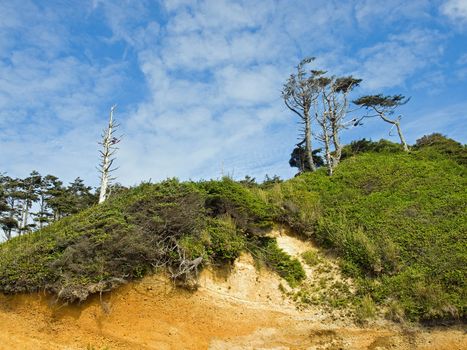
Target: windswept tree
108, 143
6, 224
330, 111
47, 191
384, 107
299, 94
315, 96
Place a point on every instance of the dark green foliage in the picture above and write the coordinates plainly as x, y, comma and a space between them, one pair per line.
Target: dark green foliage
227, 197
42, 198
171, 225
225, 241
298, 157
266, 251
381, 101
438, 145
270, 181
364, 145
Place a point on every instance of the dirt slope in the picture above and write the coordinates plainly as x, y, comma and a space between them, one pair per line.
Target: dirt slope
237, 309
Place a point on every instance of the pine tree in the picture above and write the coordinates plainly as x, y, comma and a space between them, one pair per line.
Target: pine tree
12, 204
29, 191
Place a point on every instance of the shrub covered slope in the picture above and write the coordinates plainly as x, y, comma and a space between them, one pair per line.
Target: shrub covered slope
176, 226
396, 220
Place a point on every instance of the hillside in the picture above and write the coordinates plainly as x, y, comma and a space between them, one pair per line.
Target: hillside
395, 222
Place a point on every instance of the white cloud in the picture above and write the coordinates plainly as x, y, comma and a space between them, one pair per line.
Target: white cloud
369, 12
456, 10
51, 103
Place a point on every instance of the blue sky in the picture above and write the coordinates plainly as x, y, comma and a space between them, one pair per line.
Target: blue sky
198, 83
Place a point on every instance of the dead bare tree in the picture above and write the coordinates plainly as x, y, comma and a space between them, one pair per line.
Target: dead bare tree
108, 143
384, 106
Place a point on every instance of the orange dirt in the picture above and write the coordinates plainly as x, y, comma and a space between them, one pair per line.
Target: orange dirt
152, 314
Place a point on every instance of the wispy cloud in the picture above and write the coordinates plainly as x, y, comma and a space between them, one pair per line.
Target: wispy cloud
456, 10
390, 63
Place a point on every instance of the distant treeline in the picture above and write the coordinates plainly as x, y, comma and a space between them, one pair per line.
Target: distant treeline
35, 201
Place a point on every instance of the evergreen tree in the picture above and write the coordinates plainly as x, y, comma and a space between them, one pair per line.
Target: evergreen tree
299, 93
11, 201
47, 189
28, 194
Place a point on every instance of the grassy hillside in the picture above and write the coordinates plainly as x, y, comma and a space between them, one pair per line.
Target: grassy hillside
396, 220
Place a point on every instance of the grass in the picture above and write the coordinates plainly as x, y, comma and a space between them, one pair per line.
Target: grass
267, 252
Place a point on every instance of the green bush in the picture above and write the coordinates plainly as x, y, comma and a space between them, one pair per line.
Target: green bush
227, 197
437, 144
225, 242
266, 250
311, 258
364, 145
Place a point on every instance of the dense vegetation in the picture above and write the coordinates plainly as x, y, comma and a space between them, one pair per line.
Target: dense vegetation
171, 225
396, 219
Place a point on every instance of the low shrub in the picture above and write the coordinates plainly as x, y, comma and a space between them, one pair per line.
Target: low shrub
311, 257
267, 252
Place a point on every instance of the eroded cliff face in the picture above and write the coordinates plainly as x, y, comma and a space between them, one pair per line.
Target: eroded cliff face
236, 308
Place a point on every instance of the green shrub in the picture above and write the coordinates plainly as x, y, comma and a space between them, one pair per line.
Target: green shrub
311, 257
437, 144
243, 205
266, 250
364, 145
225, 241
366, 309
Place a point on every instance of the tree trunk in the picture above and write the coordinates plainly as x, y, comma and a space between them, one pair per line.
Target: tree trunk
401, 136
337, 145
24, 214
308, 149
327, 148
41, 214
106, 161
398, 126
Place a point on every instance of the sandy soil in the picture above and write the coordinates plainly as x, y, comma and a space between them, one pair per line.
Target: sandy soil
237, 309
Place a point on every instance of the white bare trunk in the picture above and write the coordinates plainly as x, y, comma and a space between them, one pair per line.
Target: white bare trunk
106, 154
24, 215
397, 124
